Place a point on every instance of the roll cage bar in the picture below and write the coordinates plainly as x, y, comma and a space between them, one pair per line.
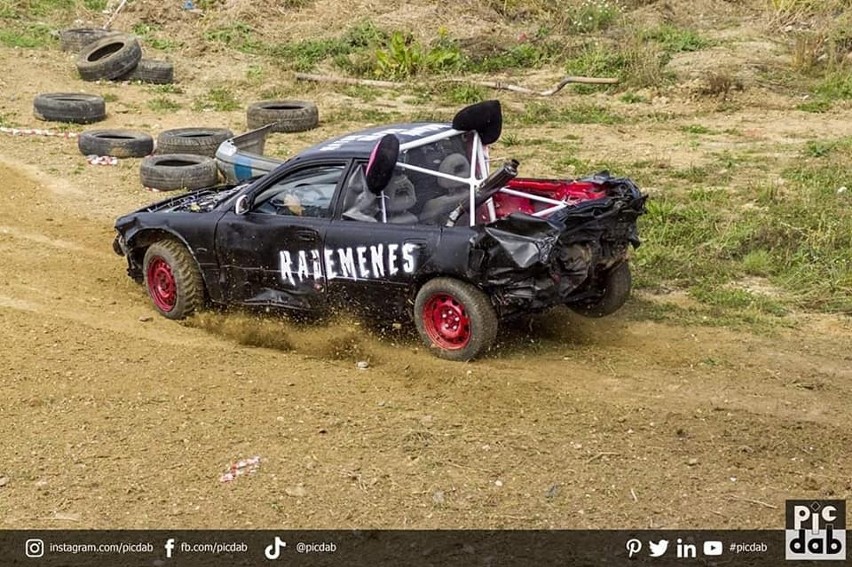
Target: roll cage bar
479, 170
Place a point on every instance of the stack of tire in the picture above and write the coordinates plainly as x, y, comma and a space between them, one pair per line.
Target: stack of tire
184, 159
114, 56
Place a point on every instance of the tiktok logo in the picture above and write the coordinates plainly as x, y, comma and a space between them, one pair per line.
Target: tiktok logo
273, 550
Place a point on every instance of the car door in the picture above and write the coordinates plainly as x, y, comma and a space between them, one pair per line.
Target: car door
272, 253
373, 258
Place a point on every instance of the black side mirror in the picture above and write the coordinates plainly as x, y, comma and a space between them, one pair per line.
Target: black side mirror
382, 163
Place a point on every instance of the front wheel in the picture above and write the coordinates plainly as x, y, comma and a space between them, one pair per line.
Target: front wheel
614, 287
455, 319
172, 279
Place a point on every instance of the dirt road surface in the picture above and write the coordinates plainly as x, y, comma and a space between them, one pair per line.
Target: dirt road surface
114, 417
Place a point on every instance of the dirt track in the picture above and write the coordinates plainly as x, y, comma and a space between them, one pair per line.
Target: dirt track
114, 417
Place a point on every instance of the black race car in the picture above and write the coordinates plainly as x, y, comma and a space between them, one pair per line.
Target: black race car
400, 220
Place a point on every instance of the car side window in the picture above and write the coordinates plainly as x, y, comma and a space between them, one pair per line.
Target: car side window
307, 192
392, 206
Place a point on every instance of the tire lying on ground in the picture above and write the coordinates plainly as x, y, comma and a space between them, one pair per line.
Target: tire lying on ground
78, 108
178, 171
288, 115
76, 39
116, 143
151, 71
198, 141
109, 57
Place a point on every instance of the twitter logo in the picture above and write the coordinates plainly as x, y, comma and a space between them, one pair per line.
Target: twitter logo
659, 548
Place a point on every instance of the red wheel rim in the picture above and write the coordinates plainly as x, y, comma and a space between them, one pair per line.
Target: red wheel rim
446, 322
161, 284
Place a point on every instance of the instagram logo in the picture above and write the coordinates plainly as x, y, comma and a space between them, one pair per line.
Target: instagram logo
34, 548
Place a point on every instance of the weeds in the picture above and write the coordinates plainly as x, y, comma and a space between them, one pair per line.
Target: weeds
219, 99
673, 39
593, 15
403, 57
695, 129
163, 104
466, 94
239, 36
800, 239
168, 88
149, 35
529, 54
634, 63
815, 106
29, 35
633, 98
835, 86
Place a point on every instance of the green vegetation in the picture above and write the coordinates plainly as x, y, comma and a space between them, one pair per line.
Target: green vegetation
26, 35
673, 39
150, 36
466, 94
163, 104
541, 113
800, 239
632, 98
402, 57
238, 35
696, 129
836, 86
593, 15
220, 99
636, 63
168, 88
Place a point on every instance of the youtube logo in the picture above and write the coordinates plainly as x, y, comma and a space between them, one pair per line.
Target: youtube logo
712, 548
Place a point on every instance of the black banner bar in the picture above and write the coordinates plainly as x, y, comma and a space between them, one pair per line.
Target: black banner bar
380, 548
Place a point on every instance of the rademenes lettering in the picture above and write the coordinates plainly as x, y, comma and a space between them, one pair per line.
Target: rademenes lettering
351, 263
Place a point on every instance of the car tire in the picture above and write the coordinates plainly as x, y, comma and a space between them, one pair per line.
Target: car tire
74, 40
198, 141
287, 115
69, 107
172, 279
178, 171
455, 319
109, 57
617, 283
116, 143
151, 71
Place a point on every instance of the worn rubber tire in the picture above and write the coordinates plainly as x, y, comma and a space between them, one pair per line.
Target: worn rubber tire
76, 39
178, 171
198, 141
152, 71
469, 302
187, 283
109, 57
287, 115
117, 143
617, 283
78, 108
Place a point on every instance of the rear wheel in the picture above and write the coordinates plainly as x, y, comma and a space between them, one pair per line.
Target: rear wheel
615, 287
172, 279
455, 319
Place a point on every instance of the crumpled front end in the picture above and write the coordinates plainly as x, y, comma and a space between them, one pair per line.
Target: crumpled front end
529, 264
